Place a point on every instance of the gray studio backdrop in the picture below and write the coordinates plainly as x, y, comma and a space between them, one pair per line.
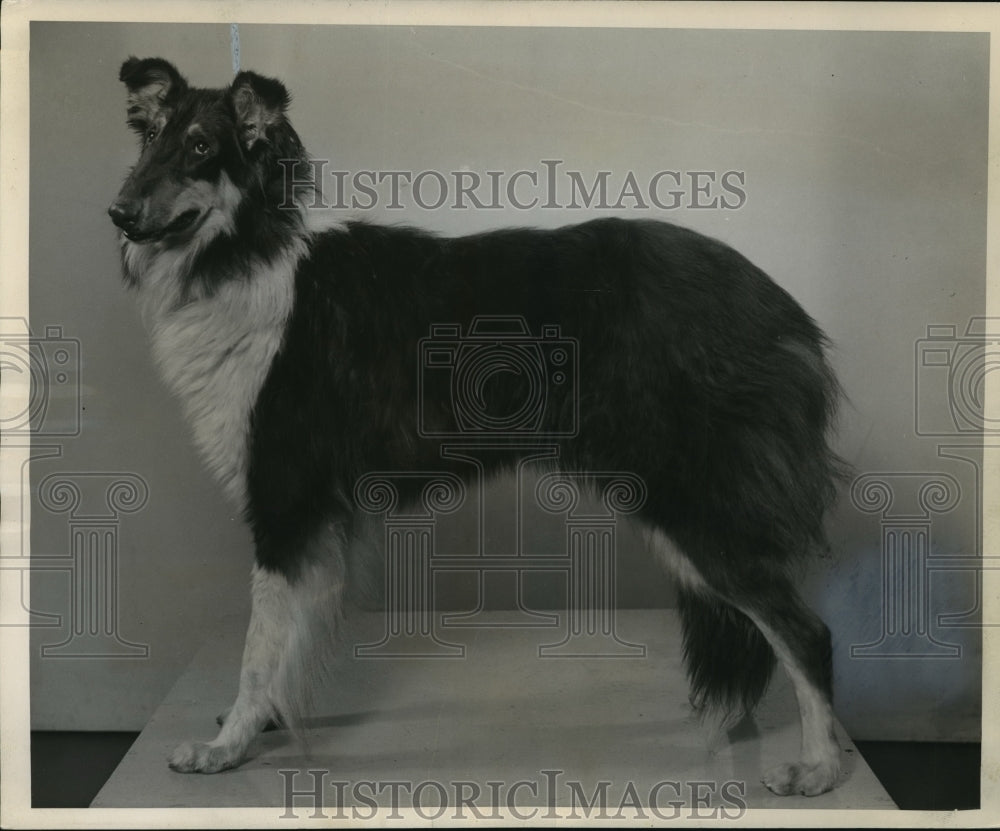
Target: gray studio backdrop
849, 165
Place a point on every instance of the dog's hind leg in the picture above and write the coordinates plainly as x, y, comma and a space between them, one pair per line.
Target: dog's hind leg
735, 620
802, 642
803, 646
288, 617
728, 660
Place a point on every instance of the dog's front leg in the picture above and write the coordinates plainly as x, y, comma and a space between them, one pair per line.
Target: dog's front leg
269, 632
286, 619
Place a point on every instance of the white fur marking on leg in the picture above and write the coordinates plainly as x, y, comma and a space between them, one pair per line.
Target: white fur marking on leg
819, 766
266, 639
287, 622
673, 559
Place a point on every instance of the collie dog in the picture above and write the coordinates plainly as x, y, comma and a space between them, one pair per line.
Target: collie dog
293, 343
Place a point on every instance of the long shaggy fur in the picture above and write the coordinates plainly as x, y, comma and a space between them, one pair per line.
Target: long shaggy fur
728, 659
295, 344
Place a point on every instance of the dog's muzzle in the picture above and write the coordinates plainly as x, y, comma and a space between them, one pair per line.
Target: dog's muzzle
125, 214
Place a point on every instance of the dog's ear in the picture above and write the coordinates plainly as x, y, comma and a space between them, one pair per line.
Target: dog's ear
260, 103
153, 84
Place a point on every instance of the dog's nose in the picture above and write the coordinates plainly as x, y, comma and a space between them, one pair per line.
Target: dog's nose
124, 214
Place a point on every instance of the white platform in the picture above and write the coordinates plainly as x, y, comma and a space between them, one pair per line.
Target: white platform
499, 714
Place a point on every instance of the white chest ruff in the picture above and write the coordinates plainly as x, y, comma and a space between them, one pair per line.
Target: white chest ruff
215, 353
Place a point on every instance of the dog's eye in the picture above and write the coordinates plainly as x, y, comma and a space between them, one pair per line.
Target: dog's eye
150, 134
201, 148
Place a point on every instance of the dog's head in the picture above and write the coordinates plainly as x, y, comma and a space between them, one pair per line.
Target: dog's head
202, 151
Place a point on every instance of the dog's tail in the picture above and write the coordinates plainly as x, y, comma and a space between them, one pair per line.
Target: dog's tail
729, 662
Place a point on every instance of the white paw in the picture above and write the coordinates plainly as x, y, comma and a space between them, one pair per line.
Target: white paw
800, 778
199, 757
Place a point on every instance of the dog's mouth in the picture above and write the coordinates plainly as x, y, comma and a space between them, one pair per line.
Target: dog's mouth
182, 222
